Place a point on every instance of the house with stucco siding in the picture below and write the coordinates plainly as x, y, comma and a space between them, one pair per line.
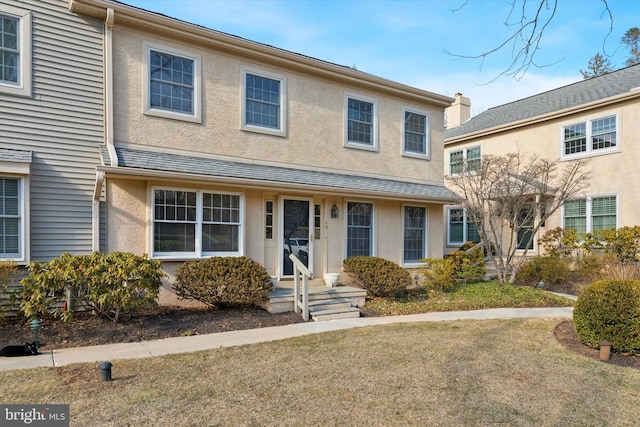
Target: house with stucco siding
596, 119
220, 146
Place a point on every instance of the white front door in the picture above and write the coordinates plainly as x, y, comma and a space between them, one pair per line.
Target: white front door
296, 237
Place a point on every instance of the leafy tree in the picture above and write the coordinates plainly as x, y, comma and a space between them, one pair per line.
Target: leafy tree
632, 40
508, 198
598, 66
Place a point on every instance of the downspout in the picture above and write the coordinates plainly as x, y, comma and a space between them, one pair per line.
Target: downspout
108, 128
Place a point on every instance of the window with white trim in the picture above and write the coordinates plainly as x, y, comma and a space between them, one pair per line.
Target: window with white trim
591, 214
196, 223
11, 218
461, 229
15, 51
416, 134
264, 102
359, 229
415, 230
361, 122
590, 137
465, 160
172, 83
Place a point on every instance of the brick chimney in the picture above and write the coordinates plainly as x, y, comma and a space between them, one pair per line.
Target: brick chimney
459, 112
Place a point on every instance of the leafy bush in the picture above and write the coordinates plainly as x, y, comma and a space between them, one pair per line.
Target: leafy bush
223, 281
623, 242
114, 284
560, 242
8, 273
610, 310
543, 268
438, 274
379, 276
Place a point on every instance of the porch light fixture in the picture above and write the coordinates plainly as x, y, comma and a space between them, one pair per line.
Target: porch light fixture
335, 212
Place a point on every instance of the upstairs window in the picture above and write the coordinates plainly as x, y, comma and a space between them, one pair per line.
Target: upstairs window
172, 89
416, 134
361, 123
590, 137
264, 102
15, 51
465, 160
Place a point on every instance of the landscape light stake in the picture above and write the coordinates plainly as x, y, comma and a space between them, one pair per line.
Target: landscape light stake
605, 350
35, 325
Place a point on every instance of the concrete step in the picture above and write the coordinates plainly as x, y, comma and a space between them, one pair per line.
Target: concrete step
328, 304
340, 313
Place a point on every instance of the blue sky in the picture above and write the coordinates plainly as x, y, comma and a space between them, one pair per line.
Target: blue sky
408, 40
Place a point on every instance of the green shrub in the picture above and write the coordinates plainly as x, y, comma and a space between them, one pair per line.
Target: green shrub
379, 276
468, 263
623, 242
438, 274
543, 268
113, 285
610, 310
220, 281
560, 242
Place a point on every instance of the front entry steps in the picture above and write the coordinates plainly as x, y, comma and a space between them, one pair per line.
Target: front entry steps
325, 303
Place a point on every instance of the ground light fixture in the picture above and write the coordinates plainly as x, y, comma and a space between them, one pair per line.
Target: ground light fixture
35, 325
605, 350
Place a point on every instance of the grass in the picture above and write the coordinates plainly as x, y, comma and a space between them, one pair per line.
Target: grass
447, 373
470, 296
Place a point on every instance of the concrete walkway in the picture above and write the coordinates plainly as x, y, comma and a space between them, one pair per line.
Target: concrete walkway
136, 350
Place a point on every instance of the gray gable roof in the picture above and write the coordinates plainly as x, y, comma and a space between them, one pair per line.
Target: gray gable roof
573, 95
324, 181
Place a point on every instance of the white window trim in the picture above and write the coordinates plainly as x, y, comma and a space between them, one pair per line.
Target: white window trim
282, 126
590, 151
465, 151
198, 253
23, 191
425, 238
589, 211
196, 117
374, 126
427, 154
464, 229
345, 209
23, 87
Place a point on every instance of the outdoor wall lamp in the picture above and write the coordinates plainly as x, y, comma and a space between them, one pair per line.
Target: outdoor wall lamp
335, 212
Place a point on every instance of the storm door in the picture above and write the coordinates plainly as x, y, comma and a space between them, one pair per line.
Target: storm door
297, 233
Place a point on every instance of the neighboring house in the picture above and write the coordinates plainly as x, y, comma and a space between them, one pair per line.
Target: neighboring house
597, 119
51, 129
217, 145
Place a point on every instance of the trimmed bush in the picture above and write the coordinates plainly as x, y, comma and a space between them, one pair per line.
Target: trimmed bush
223, 281
438, 274
542, 268
113, 285
610, 310
379, 276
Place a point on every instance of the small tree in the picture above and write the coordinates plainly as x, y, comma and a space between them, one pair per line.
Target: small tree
598, 66
508, 198
632, 40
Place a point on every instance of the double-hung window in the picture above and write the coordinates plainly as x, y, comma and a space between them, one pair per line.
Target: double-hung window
415, 219
589, 137
591, 214
11, 218
172, 86
461, 229
465, 160
361, 123
15, 51
416, 134
196, 223
264, 102
359, 229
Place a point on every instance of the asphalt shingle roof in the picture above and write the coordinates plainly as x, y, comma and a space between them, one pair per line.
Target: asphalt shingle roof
326, 181
573, 95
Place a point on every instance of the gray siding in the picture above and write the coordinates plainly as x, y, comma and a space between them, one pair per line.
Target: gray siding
61, 123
